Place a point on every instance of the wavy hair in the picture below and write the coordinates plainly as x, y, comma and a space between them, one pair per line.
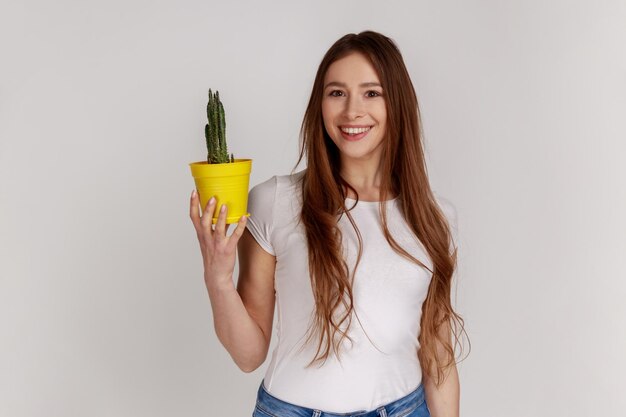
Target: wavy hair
403, 173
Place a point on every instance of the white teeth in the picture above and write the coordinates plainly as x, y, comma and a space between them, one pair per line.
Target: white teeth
352, 130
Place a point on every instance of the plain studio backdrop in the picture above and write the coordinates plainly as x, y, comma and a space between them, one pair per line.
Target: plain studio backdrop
103, 307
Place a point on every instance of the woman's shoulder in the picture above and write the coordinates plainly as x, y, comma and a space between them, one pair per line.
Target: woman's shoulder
289, 183
276, 204
283, 185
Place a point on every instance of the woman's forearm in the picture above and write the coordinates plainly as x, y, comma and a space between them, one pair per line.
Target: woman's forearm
443, 401
235, 329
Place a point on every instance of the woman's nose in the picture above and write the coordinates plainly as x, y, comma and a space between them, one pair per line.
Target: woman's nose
354, 107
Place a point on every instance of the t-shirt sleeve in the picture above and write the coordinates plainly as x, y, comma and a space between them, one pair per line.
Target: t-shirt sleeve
260, 223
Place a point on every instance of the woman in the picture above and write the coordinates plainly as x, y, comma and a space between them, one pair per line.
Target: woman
357, 234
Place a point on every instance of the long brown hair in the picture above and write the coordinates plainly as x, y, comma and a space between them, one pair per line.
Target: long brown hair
403, 174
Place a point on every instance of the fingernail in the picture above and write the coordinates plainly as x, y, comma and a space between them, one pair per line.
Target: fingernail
223, 208
212, 200
193, 193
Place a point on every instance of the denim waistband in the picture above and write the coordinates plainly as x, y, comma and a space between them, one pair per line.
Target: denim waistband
273, 406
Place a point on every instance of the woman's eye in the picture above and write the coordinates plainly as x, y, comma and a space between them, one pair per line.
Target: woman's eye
370, 94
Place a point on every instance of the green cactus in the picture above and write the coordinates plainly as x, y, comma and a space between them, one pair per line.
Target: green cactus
215, 131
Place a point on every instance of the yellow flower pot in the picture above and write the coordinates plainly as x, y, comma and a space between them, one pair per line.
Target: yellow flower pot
227, 182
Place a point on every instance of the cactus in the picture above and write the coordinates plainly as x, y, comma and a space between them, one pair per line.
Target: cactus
215, 131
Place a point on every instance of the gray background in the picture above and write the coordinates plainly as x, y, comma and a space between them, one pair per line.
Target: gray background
103, 308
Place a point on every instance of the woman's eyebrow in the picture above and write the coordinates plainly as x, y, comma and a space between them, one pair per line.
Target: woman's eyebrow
338, 84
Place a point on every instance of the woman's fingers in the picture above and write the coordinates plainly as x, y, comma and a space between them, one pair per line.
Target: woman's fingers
234, 238
204, 224
218, 252
193, 211
220, 226
207, 216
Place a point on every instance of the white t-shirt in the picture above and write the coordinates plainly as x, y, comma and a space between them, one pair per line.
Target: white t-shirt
388, 294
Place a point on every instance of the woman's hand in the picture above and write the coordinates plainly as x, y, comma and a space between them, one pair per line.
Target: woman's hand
218, 250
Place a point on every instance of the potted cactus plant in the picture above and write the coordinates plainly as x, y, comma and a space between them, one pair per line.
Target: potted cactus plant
221, 175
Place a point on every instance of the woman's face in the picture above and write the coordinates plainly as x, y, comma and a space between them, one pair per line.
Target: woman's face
353, 108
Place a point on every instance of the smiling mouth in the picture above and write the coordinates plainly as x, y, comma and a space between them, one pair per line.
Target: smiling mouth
353, 131
354, 134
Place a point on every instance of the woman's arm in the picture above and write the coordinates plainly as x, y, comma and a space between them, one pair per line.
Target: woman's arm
242, 316
443, 401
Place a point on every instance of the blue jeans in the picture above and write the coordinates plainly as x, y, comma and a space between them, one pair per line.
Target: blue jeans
411, 405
